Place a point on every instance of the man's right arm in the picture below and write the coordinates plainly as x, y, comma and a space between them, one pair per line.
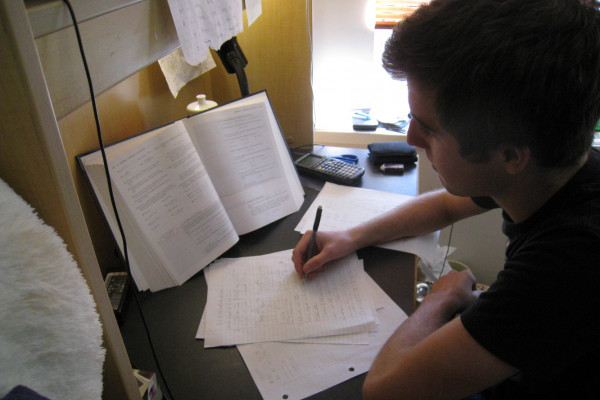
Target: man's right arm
426, 213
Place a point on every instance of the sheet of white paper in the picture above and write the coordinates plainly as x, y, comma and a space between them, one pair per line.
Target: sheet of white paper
346, 206
253, 10
201, 24
352, 338
258, 299
178, 72
295, 371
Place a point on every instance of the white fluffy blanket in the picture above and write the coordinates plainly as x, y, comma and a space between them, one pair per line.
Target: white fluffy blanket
50, 333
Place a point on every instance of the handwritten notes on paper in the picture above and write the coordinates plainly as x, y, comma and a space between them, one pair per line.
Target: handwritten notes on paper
201, 24
259, 299
262, 302
295, 371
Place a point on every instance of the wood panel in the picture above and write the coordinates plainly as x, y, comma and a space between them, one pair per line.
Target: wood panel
47, 16
117, 45
278, 51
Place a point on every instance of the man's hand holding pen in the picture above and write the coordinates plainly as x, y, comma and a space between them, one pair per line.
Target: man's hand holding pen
314, 251
313, 236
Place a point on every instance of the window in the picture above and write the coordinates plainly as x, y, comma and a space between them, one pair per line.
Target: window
347, 71
389, 12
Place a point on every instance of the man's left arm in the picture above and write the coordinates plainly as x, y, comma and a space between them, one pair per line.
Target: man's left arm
432, 356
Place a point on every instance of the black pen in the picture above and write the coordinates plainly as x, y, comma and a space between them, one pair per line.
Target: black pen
313, 237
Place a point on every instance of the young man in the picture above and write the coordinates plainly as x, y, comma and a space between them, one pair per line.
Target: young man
504, 97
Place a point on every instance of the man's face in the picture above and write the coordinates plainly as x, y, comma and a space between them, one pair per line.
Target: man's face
459, 176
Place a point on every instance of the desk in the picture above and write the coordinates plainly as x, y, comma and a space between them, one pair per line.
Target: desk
373, 178
173, 314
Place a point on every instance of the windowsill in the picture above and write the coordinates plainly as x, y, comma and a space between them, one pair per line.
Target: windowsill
356, 139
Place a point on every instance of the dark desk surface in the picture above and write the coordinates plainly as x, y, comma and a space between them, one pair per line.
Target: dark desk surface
374, 178
173, 315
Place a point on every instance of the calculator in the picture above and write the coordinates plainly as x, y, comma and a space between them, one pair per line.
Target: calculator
330, 169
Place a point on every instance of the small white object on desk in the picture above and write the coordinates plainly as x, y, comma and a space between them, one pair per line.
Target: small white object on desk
392, 168
200, 104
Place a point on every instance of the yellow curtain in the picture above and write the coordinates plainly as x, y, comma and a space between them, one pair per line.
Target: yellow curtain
389, 12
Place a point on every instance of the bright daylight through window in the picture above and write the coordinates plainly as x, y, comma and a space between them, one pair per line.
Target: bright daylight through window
347, 71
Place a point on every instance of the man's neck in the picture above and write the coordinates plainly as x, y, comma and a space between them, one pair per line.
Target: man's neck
532, 189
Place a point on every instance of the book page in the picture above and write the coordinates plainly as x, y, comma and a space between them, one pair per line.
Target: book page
245, 155
137, 252
170, 203
261, 298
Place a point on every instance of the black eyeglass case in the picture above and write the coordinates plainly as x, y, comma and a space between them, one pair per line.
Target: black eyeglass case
392, 152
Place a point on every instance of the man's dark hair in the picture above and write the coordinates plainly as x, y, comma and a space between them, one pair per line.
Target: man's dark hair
519, 72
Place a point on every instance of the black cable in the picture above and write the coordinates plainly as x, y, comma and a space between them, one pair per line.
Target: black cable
110, 190
97, 120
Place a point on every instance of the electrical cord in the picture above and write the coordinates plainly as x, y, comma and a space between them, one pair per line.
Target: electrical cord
168, 394
422, 289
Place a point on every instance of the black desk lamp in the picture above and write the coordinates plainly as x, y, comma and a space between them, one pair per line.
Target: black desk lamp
234, 61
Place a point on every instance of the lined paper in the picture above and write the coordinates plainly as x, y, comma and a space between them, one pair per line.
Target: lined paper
260, 299
296, 371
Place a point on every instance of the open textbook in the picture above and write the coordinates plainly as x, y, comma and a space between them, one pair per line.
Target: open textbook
185, 191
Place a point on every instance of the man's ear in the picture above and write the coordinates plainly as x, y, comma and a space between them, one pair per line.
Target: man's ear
516, 159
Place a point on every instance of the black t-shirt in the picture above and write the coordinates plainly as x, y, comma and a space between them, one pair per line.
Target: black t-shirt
542, 314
